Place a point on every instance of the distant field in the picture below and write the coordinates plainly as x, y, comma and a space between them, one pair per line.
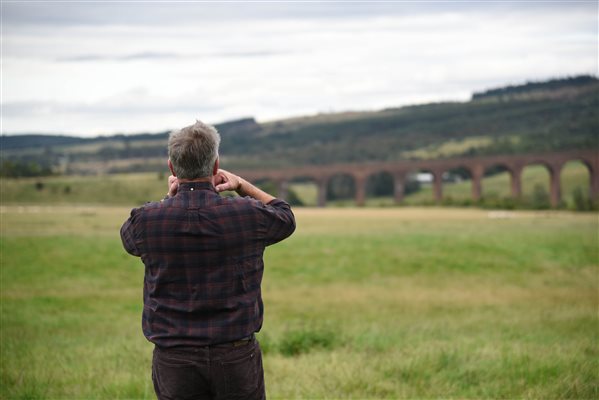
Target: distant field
360, 303
117, 189
132, 189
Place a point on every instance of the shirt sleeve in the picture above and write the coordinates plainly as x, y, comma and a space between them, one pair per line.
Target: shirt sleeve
280, 221
129, 234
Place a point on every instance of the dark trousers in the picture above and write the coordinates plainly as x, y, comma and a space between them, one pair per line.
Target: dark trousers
224, 371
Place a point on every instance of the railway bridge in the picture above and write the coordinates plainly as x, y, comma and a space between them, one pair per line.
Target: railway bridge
400, 170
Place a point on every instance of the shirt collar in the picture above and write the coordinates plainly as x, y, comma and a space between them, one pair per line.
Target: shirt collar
191, 186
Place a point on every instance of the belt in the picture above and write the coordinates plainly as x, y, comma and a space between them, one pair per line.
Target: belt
236, 343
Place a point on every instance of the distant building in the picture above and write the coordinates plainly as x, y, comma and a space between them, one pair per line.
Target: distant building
423, 177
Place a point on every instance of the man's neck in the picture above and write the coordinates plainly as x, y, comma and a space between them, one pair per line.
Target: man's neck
195, 180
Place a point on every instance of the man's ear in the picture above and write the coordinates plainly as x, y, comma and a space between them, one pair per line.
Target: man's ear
215, 170
170, 166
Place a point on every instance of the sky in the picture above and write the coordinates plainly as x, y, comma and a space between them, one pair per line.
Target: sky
89, 68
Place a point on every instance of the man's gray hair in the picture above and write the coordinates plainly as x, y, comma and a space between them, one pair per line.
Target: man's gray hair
193, 150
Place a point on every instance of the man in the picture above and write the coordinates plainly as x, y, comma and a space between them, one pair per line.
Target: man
203, 269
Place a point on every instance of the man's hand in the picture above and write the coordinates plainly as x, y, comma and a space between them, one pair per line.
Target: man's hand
173, 186
224, 180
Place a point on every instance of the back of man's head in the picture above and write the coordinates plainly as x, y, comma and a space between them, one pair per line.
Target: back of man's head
193, 150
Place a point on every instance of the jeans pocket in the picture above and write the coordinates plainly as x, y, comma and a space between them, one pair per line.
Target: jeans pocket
176, 376
243, 374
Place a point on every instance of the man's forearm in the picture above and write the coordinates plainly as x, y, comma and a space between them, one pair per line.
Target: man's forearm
224, 180
247, 189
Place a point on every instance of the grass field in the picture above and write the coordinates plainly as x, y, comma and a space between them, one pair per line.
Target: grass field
360, 303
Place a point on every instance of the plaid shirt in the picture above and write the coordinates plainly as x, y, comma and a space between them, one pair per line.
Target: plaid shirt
203, 263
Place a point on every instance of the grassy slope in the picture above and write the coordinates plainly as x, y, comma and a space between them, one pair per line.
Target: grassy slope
536, 121
520, 125
410, 303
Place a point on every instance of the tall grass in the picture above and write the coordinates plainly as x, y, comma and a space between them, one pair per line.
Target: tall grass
393, 303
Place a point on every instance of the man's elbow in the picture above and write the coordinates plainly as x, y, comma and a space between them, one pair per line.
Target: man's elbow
289, 226
129, 244
132, 251
292, 226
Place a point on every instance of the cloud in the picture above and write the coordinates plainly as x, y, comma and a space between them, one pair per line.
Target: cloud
157, 56
128, 57
150, 68
126, 113
55, 13
66, 13
133, 105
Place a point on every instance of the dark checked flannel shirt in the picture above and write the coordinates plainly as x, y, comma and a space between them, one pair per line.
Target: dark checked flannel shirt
203, 263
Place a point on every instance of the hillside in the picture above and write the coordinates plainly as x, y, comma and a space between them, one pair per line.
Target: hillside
538, 116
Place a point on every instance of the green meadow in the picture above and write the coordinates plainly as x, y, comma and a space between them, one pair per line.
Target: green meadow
359, 303
138, 188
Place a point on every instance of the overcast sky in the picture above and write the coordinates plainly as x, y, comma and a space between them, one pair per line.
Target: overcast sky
91, 68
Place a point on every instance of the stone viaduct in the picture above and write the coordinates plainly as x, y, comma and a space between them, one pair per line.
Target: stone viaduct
399, 170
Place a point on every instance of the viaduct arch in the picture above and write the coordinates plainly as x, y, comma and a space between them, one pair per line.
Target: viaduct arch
400, 170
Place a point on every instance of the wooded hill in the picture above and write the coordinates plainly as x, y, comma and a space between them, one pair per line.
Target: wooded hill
537, 116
